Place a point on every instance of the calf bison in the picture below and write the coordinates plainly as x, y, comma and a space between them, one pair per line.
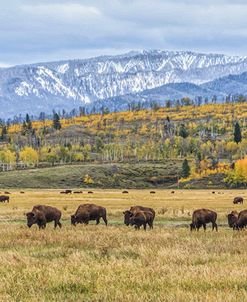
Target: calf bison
41, 214
232, 219
4, 198
241, 221
202, 217
142, 218
135, 209
238, 199
87, 212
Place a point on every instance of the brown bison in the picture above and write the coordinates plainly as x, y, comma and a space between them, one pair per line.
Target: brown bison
78, 192
202, 217
238, 199
241, 221
125, 192
135, 209
87, 212
41, 214
232, 219
4, 198
152, 192
142, 218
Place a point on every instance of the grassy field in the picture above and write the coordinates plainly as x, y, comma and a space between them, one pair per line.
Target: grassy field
117, 263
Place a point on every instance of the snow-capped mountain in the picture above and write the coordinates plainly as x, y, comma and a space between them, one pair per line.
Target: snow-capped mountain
73, 83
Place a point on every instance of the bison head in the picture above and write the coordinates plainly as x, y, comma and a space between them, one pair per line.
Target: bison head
31, 219
192, 226
127, 217
73, 220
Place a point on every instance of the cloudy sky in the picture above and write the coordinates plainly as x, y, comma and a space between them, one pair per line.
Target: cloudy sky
47, 30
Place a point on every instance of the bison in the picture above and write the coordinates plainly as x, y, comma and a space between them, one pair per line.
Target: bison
142, 218
241, 221
152, 192
78, 192
202, 217
232, 219
238, 199
4, 198
41, 214
135, 209
125, 192
87, 212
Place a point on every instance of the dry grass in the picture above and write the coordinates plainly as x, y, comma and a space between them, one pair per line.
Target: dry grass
117, 263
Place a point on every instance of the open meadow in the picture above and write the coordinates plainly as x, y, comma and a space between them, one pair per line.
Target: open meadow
118, 263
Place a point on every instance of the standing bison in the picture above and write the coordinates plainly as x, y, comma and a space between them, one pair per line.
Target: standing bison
232, 219
142, 218
41, 214
4, 198
87, 212
241, 221
202, 217
238, 199
128, 214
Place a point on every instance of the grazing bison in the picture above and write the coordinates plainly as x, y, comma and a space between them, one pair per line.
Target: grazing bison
142, 218
90, 192
125, 192
22, 192
241, 221
78, 192
152, 192
232, 219
7, 193
202, 217
135, 209
41, 214
4, 198
68, 191
87, 212
238, 199
172, 192
213, 192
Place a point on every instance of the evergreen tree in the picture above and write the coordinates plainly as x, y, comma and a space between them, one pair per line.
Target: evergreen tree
28, 122
4, 133
185, 169
183, 131
237, 133
56, 122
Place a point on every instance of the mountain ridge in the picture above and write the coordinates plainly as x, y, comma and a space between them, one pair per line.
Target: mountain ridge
68, 84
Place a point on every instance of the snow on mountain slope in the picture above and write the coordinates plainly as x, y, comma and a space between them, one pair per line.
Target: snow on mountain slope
64, 84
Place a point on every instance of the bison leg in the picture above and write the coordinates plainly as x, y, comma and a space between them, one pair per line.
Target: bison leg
150, 223
57, 223
204, 226
105, 220
215, 226
97, 221
145, 226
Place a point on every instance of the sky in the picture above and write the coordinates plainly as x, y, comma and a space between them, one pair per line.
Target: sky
49, 30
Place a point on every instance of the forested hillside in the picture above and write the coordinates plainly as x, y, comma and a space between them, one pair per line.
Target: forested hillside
212, 137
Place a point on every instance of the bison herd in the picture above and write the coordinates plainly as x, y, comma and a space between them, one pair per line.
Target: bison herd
136, 216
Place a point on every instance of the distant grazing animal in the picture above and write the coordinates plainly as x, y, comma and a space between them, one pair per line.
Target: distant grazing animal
4, 198
135, 209
90, 192
232, 219
238, 199
68, 191
77, 192
7, 193
241, 221
152, 192
41, 214
142, 218
125, 192
172, 192
213, 192
202, 217
87, 212
62, 192
22, 192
